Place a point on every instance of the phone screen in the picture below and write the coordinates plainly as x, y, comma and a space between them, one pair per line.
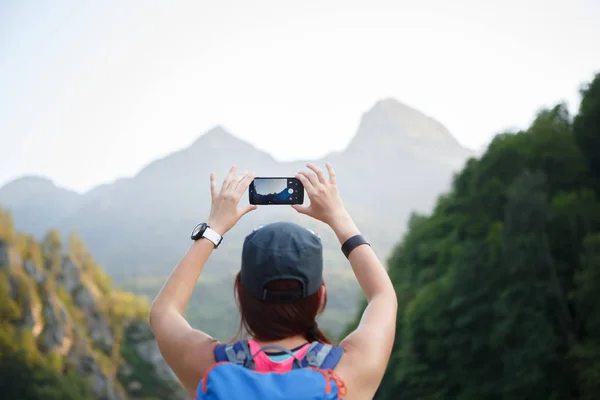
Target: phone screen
264, 191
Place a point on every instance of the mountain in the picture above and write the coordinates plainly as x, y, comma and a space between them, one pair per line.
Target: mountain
66, 332
38, 202
395, 124
138, 228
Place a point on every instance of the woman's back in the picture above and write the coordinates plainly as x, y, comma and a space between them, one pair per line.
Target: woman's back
281, 293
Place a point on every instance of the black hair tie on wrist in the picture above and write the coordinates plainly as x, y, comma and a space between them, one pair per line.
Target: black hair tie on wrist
352, 243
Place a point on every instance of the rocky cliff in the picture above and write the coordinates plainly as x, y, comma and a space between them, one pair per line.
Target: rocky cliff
60, 313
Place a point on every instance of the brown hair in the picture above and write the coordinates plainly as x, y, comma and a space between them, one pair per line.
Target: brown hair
270, 321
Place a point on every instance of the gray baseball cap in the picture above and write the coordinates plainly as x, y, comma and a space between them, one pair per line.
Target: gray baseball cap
282, 250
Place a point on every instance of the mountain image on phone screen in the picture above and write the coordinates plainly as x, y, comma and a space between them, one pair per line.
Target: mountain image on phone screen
265, 191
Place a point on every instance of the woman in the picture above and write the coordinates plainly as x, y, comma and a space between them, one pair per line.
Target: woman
285, 313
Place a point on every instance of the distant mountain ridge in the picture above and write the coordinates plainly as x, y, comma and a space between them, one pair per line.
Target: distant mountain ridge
398, 162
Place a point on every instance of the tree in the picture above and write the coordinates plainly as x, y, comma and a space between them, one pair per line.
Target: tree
587, 299
498, 289
586, 127
7, 226
52, 248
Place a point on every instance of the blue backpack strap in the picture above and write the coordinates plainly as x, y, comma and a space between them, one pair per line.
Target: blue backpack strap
331, 358
309, 357
220, 354
236, 353
323, 356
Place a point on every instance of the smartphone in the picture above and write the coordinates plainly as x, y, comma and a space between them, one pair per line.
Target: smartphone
276, 190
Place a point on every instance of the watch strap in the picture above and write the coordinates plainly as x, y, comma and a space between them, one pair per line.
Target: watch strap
212, 236
352, 243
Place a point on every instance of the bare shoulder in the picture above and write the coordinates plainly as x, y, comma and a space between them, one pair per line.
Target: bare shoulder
189, 353
358, 373
367, 351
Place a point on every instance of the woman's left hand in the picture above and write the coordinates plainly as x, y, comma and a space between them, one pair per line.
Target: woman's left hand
224, 211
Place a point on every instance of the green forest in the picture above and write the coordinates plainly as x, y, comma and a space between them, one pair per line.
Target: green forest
499, 288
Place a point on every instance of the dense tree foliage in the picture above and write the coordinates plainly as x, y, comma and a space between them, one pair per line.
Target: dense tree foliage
499, 288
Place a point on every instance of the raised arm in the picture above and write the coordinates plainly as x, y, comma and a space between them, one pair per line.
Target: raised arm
370, 344
368, 348
189, 352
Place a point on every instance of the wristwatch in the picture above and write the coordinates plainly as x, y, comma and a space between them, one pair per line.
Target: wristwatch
202, 230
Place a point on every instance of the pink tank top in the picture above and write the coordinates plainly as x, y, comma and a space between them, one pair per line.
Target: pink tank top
263, 363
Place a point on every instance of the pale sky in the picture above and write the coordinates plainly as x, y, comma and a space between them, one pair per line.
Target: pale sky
93, 91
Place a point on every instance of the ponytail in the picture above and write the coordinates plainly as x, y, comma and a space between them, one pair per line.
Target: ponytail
316, 335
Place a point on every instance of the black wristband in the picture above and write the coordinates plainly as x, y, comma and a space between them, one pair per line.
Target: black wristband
353, 243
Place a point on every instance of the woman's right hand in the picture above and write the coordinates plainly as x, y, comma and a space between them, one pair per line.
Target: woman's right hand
325, 202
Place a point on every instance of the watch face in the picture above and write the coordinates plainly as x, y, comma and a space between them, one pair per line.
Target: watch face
198, 230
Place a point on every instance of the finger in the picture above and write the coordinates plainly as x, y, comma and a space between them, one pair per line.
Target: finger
236, 181
318, 171
213, 185
245, 210
332, 176
312, 178
301, 209
308, 186
228, 178
244, 183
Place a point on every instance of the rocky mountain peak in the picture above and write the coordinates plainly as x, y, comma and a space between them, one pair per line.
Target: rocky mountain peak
392, 123
217, 138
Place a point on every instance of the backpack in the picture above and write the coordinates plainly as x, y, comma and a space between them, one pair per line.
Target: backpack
233, 375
